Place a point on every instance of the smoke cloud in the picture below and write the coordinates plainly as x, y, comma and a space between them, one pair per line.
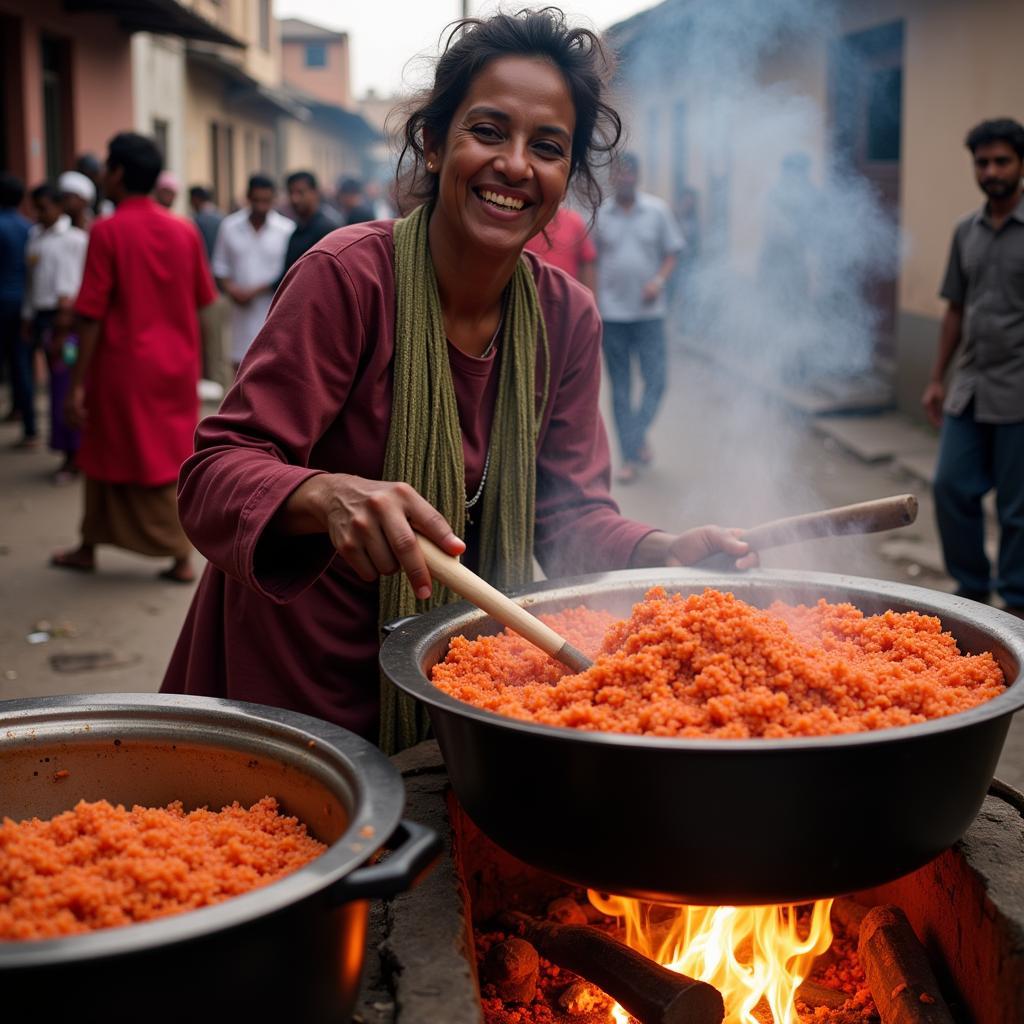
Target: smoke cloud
790, 240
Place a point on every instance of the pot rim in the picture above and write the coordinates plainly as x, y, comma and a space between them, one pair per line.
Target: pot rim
401, 652
377, 789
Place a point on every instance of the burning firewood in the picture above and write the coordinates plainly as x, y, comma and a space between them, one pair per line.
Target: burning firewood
582, 997
512, 967
813, 995
565, 910
651, 993
850, 914
898, 972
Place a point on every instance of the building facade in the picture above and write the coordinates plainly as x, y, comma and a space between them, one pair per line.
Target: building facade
334, 141
67, 70
212, 80
315, 61
234, 102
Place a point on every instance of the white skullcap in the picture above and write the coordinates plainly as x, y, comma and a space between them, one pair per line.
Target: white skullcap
74, 184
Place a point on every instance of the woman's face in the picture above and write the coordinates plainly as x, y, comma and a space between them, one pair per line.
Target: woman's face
504, 166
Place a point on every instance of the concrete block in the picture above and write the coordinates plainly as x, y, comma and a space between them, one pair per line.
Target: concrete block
876, 438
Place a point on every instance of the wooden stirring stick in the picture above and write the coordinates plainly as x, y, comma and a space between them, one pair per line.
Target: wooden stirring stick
864, 517
454, 575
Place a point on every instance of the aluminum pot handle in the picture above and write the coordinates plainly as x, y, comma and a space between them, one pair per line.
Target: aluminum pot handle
414, 848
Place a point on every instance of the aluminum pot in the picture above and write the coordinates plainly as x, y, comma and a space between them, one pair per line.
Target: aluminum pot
292, 950
718, 821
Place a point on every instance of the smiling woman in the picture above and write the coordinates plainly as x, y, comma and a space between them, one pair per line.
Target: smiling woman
424, 375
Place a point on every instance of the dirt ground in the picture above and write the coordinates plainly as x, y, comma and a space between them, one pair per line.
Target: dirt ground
723, 453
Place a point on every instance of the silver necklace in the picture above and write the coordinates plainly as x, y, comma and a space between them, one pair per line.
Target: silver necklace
470, 502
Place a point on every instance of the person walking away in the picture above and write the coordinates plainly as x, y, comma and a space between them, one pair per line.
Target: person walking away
247, 262
311, 223
565, 243
637, 246
354, 207
55, 255
14, 230
982, 414
133, 387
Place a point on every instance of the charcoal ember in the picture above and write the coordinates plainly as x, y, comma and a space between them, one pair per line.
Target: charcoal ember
581, 997
565, 910
512, 967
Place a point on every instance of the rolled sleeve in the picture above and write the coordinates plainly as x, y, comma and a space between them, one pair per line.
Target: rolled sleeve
277, 566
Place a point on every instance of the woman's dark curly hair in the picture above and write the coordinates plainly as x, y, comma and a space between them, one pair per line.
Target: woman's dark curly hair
471, 44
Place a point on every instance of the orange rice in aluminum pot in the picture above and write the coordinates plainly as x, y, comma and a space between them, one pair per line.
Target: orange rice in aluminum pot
99, 866
711, 665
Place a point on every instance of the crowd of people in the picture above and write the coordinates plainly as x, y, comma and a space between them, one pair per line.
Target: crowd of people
102, 256
44, 236
250, 250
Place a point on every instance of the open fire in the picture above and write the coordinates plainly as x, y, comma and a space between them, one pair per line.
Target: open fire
757, 957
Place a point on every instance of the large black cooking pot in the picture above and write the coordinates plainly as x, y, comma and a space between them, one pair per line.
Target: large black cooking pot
290, 951
718, 821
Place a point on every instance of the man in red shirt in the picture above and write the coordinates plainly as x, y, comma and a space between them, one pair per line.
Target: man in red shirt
134, 384
565, 243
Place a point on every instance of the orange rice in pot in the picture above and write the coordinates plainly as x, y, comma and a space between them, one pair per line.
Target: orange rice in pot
711, 665
99, 866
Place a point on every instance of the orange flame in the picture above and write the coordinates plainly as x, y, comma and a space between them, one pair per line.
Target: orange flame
752, 955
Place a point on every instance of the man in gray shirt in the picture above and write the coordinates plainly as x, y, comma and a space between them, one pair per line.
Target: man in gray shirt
637, 245
982, 414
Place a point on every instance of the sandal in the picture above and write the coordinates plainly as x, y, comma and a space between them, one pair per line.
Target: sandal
71, 560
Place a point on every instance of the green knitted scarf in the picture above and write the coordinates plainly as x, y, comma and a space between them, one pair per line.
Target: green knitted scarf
425, 442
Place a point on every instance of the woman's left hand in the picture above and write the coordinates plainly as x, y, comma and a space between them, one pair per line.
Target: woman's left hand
693, 546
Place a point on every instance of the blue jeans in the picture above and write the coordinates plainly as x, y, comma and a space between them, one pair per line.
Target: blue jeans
974, 458
643, 340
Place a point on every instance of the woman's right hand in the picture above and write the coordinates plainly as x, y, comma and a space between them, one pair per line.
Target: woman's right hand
372, 525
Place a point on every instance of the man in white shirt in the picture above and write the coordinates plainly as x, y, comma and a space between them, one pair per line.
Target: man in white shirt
54, 259
248, 259
638, 242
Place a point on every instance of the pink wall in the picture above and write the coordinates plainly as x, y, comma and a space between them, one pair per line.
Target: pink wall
329, 84
101, 84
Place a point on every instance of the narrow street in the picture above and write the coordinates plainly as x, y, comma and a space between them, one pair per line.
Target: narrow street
723, 453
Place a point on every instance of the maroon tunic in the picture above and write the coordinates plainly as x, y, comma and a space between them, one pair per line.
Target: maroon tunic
284, 620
